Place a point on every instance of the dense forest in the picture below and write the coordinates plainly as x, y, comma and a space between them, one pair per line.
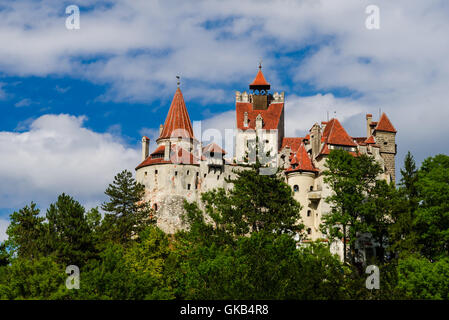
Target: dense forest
245, 249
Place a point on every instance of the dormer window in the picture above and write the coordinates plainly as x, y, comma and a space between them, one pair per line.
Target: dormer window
296, 188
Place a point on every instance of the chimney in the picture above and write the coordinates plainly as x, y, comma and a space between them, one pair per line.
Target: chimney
161, 127
315, 139
369, 118
167, 151
145, 147
245, 119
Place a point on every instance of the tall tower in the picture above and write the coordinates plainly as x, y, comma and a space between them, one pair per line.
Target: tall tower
385, 136
260, 114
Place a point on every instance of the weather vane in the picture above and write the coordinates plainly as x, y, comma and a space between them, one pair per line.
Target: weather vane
260, 63
178, 82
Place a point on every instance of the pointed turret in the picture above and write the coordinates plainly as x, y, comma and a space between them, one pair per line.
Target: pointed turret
385, 124
259, 82
177, 124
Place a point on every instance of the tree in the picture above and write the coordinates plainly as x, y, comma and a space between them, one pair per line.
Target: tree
69, 236
4, 254
131, 272
263, 265
352, 179
432, 215
402, 231
256, 202
419, 278
25, 232
127, 213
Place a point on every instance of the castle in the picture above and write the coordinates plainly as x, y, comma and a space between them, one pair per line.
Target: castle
182, 168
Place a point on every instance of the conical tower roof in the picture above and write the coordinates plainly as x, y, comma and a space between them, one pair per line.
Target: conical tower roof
259, 82
385, 124
177, 123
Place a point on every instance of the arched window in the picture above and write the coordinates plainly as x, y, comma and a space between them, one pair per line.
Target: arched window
309, 213
155, 207
295, 188
309, 231
311, 188
188, 172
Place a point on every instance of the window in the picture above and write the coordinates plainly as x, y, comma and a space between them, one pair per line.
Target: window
205, 175
146, 173
197, 174
309, 213
311, 188
155, 207
295, 188
155, 171
212, 154
218, 177
188, 172
385, 143
309, 231
176, 173
188, 186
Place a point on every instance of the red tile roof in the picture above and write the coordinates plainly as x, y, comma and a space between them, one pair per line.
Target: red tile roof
213, 147
270, 117
293, 143
259, 80
178, 155
177, 121
359, 140
370, 140
303, 161
385, 124
334, 133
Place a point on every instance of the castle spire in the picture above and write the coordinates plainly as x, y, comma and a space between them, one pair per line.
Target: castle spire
259, 82
177, 124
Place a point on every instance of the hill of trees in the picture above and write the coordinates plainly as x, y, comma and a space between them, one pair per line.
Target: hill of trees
248, 251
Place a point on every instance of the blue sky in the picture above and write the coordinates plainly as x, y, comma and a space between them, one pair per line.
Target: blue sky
75, 103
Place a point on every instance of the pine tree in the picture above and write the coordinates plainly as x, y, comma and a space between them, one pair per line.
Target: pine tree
25, 232
403, 232
127, 212
69, 237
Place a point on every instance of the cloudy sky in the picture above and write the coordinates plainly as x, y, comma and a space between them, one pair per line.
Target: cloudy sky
75, 103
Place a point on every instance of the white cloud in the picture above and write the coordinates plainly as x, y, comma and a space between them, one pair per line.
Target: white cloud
23, 103
137, 48
58, 154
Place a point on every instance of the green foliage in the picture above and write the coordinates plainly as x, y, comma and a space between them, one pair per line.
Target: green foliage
261, 266
421, 279
256, 202
4, 254
126, 213
432, 215
26, 224
41, 278
246, 250
134, 272
403, 235
69, 236
357, 193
